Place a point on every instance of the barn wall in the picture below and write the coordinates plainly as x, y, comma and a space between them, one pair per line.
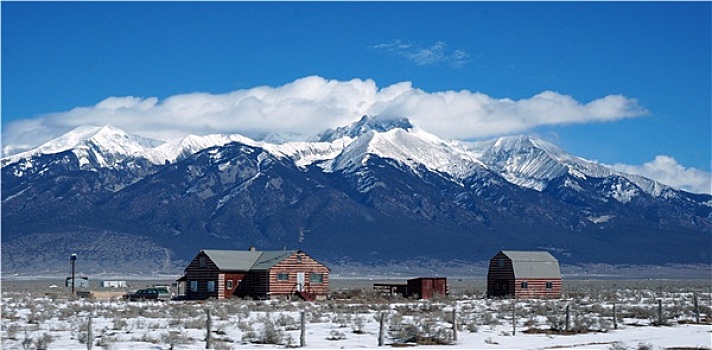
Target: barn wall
536, 288
500, 279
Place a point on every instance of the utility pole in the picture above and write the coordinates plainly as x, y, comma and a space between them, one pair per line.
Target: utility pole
73, 260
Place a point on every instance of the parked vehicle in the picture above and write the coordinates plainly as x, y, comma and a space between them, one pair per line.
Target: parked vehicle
149, 294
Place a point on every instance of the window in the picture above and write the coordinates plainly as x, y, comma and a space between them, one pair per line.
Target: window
201, 261
299, 258
525, 285
193, 286
316, 278
282, 276
500, 262
228, 284
211, 286
549, 285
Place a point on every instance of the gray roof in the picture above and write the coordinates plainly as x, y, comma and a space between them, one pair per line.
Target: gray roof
245, 260
270, 258
529, 264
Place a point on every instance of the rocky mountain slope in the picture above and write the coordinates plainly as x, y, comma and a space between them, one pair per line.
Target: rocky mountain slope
372, 192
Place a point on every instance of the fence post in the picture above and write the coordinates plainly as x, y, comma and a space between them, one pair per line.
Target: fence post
454, 324
514, 318
302, 329
615, 317
208, 330
380, 329
697, 309
90, 335
568, 317
660, 312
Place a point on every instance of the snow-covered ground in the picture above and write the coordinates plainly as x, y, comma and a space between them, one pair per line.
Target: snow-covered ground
40, 321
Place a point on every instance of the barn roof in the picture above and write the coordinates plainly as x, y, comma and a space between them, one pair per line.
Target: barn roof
245, 260
533, 264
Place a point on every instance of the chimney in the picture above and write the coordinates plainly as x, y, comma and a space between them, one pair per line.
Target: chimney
252, 248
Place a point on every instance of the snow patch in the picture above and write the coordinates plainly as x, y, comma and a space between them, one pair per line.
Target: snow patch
600, 219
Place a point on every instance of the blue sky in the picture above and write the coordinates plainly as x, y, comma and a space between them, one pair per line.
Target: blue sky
529, 67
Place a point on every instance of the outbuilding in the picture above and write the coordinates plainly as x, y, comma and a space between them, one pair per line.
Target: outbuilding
223, 274
428, 287
113, 284
524, 274
79, 282
421, 288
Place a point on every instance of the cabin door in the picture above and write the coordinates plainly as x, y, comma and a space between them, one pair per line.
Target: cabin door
300, 281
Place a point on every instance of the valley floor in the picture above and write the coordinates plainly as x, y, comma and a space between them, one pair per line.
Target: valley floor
35, 317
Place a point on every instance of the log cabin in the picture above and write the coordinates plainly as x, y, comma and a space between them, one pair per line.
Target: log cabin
222, 274
523, 274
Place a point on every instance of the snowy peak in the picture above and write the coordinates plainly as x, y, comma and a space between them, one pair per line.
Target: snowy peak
363, 126
102, 146
174, 150
533, 163
106, 146
412, 148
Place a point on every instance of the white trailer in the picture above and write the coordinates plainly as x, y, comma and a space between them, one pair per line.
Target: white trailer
113, 284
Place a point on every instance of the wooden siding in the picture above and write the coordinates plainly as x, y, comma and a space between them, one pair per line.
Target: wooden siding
502, 282
536, 288
292, 265
253, 285
194, 272
500, 279
236, 279
427, 287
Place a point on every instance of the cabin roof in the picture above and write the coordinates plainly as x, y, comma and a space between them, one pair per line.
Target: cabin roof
533, 264
245, 260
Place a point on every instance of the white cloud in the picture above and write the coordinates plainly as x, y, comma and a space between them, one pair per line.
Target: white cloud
307, 106
433, 54
667, 170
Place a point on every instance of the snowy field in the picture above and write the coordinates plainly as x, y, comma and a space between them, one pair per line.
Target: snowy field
41, 318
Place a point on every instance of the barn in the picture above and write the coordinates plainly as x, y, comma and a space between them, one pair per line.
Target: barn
223, 274
523, 274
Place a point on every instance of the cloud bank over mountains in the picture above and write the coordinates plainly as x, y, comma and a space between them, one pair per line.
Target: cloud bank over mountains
307, 106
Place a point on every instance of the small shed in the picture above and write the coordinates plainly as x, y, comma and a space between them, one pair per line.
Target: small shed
421, 287
524, 274
428, 287
80, 282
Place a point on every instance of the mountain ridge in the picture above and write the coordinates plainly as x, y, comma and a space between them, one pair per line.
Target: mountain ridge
360, 199
160, 152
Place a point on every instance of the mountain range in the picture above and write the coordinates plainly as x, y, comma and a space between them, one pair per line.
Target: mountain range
377, 191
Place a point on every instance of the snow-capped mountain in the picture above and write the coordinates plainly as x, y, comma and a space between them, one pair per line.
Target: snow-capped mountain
361, 191
521, 160
94, 146
362, 126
